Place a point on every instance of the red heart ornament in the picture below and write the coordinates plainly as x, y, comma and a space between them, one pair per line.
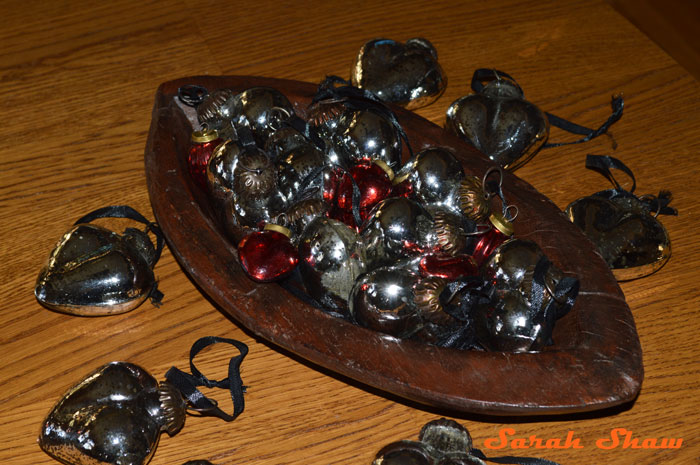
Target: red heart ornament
267, 255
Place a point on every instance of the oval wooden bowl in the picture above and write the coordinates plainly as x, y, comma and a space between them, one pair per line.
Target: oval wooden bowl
596, 361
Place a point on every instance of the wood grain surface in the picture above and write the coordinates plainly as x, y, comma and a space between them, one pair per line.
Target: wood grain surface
77, 82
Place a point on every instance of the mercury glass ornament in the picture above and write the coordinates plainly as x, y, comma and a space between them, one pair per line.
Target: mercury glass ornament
440, 442
522, 314
331, 258
114, 416
203, 144
221, 168
296, 159
263, 110
628, 235
406, 74
217, 110
501, 229
93, 271
383, 300
398, 228
434, 175
268, 255
500, 123
366, 135
255, 198
300, 215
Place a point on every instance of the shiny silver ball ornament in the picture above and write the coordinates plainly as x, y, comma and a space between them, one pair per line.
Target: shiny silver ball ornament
298, 216
397, 228
217, 108
434, 175
114, 416
525, 306
299, 163
220, 170
500, 123
331, 257
366, 135
93, 271
407, 74
263, 110
383, 300
508, 324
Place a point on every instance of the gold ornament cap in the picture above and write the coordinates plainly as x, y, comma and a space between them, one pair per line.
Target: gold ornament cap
278, 228
501, 223
204, 135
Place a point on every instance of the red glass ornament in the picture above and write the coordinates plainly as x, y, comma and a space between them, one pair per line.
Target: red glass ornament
501, 230
203, 144
372, 179
267, 255
448, 267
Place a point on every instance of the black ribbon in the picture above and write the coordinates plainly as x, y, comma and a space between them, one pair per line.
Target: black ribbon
187, 383
655, 203
617, 103
562, 298
192, 95
512, 460
125, 211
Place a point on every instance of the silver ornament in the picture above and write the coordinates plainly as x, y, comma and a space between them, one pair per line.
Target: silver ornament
397, 228
331, 257
406, 74
94, 271
114, 416
434, 175
383, 300
500, 123
367, 135
262, 110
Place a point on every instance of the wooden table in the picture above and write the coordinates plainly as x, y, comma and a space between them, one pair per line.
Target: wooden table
78, 80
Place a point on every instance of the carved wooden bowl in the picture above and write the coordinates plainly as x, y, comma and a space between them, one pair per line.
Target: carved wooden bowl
596, 359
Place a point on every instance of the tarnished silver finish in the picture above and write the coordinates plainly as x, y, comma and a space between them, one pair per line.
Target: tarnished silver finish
262, 109
434, 175
500, 123
383, 300
221, 168
398, 228
299, 215
93, 271
440, 442
631, 240
366, 135
406, 74
217, 108
114, 416
513, 321
296, 159
331, 257
452, 230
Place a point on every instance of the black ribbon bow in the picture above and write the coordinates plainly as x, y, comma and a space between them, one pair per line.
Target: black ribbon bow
187, 383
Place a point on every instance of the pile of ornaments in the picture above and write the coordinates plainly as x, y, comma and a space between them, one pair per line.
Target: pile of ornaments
323, 202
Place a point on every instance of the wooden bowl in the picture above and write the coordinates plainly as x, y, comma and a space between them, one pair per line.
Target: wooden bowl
595, 362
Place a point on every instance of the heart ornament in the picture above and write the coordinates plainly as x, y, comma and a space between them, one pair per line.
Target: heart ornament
114, 416
93, 271
407, 74
498, 121
623, 226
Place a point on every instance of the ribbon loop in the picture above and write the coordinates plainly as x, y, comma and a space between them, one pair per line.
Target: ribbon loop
187, 383
192, 95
